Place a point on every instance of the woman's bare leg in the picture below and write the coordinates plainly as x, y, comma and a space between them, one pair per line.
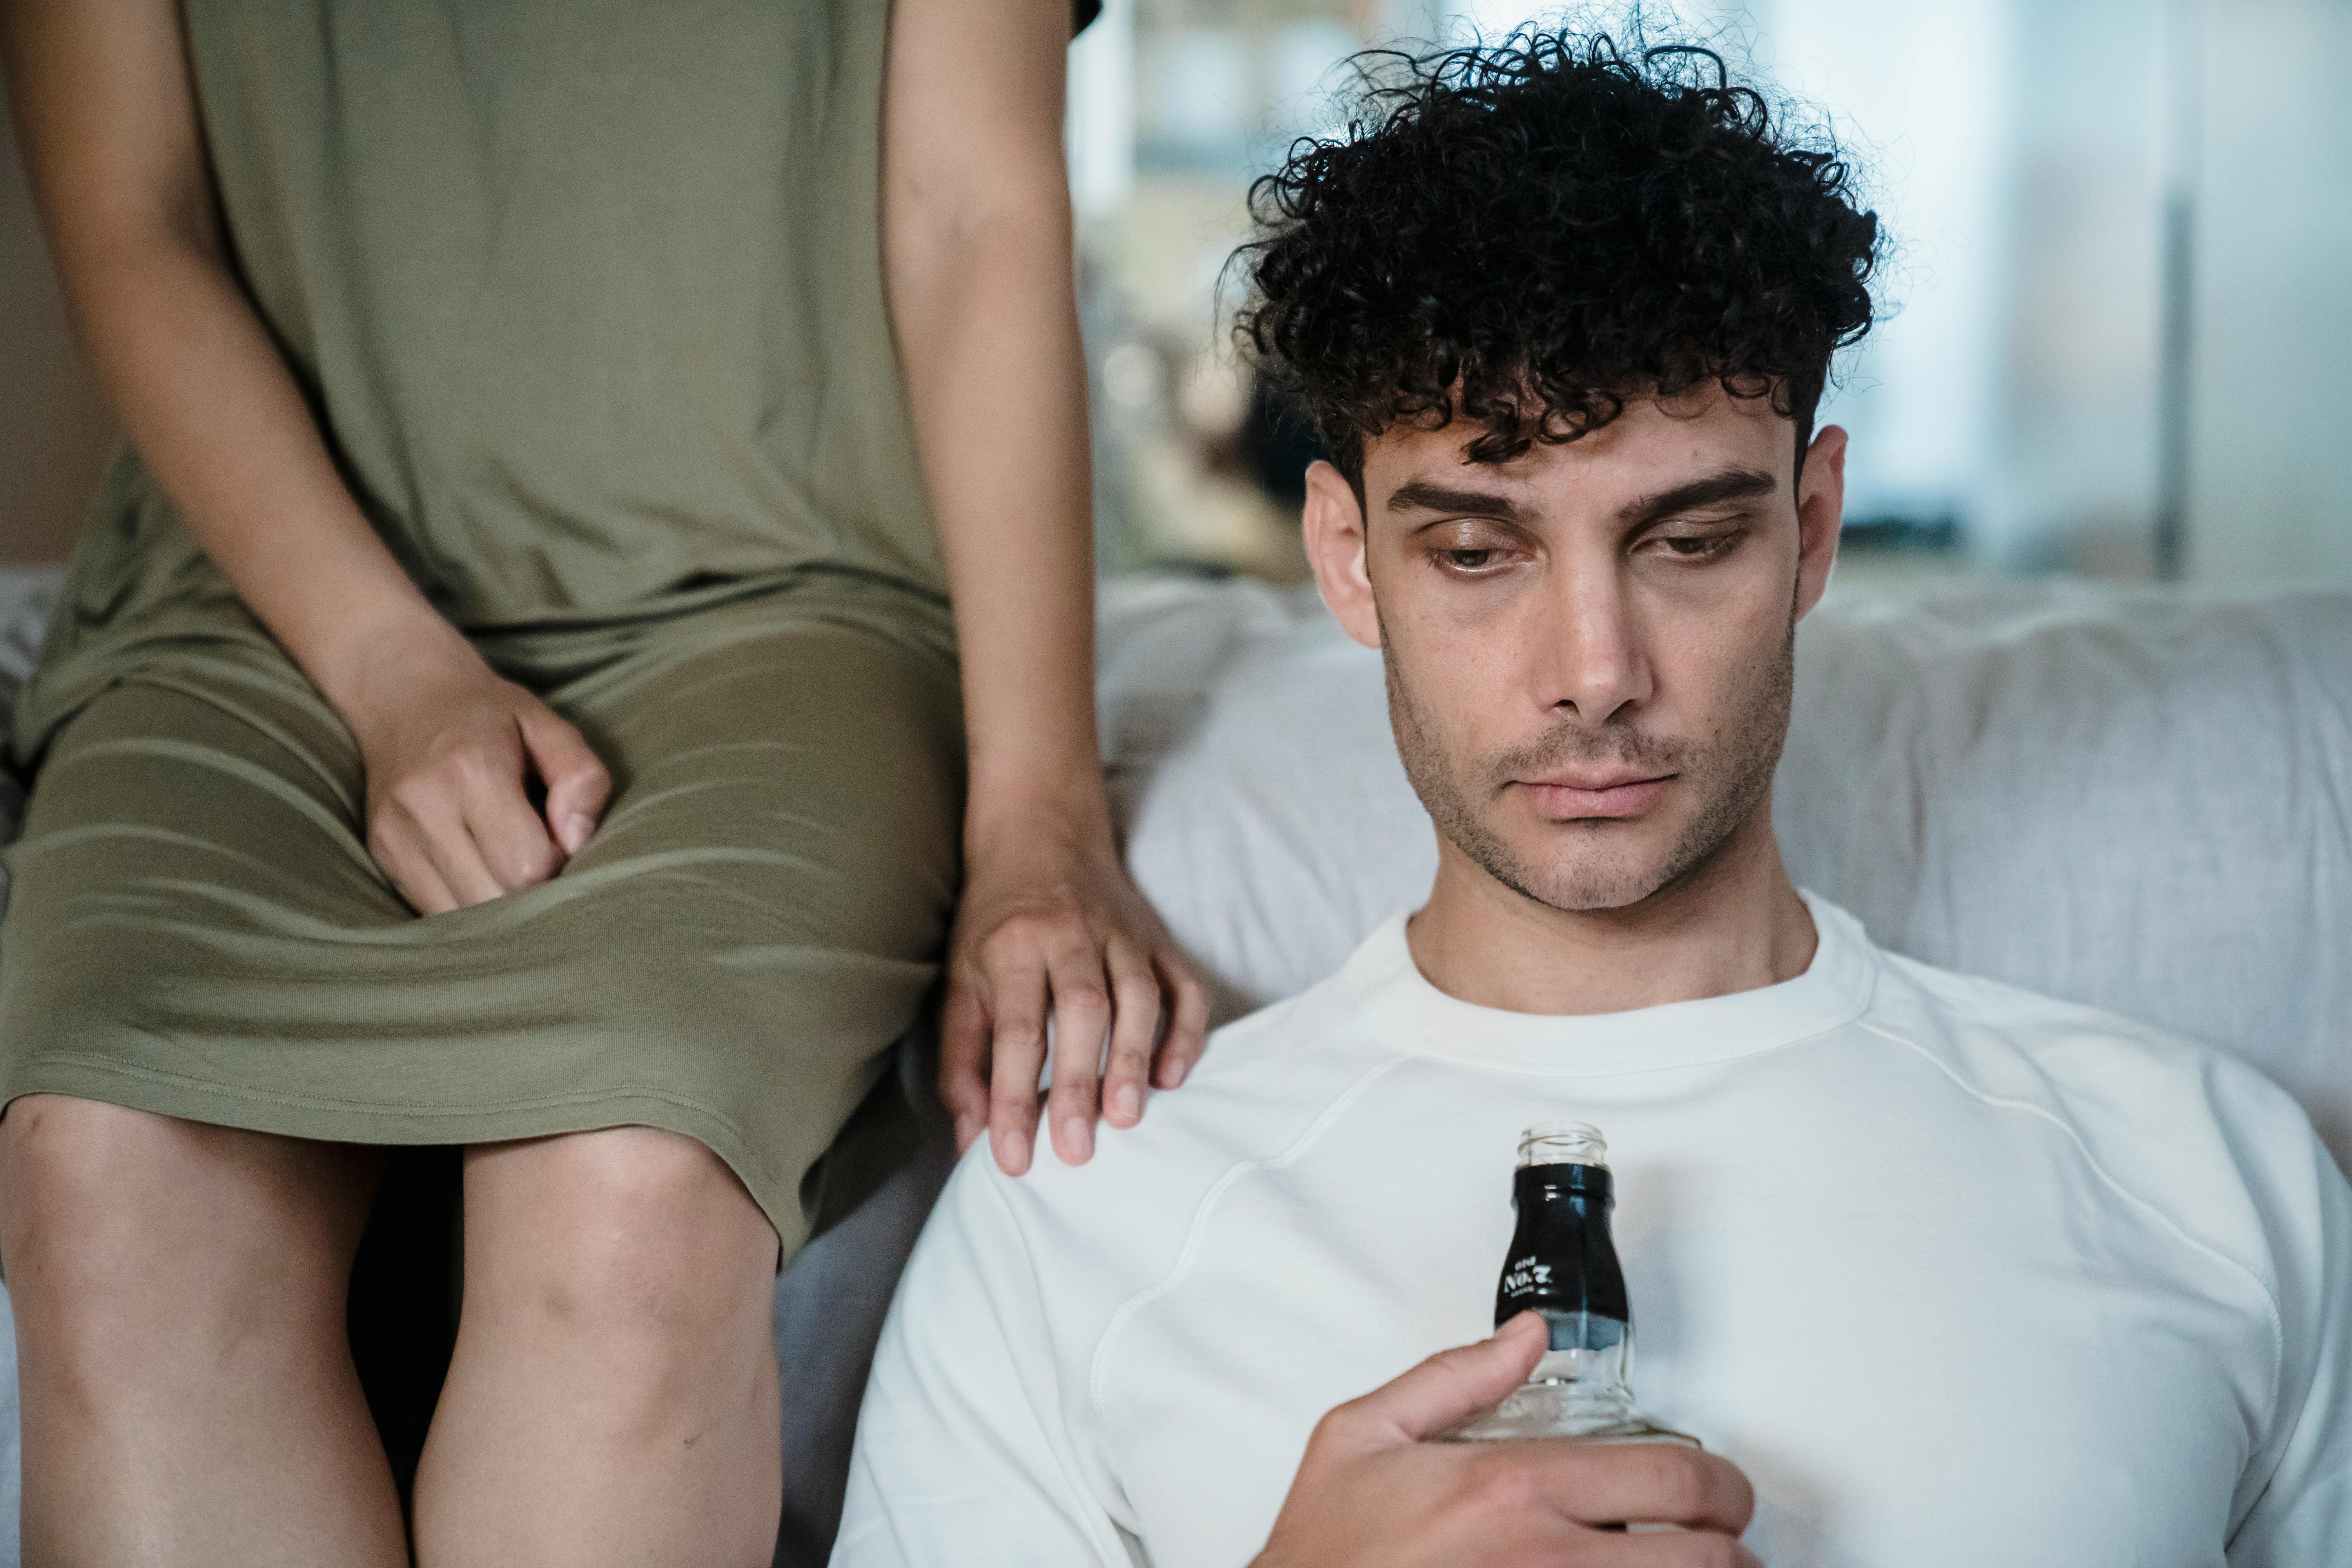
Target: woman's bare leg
613, 1396
187, 1382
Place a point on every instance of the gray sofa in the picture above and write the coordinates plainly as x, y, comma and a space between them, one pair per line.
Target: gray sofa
2135, 799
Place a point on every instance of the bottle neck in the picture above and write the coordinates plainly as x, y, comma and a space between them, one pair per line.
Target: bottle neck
1562, 1259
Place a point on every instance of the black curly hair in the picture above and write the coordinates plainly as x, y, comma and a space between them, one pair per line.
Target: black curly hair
1527, 234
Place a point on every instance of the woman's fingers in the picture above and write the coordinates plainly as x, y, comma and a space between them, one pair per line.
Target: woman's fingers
398, 847
1082, 1017
473, 822
1187, 1018
576, 778
440, 820
506, 832
963, 1054
1072, 945
1099, 993
1134, 1029
1015, 971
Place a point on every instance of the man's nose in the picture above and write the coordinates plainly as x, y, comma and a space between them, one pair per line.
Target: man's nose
1591, 660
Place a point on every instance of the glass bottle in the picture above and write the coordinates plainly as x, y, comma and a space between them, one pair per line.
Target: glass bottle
1563, 1265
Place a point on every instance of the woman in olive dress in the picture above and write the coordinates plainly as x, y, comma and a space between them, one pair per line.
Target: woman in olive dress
600, 569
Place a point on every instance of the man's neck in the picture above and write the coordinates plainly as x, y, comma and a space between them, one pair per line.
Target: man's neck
1735, 924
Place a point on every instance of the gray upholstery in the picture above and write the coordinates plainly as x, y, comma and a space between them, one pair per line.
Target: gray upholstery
25, 598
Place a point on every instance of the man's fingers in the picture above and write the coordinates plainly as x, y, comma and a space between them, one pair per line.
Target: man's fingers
1082, 1015
1135, 1027
963, 1054
1650, 1483
1188, 1020
577, 781
1449, 1387
1016, 1051
1664, 1549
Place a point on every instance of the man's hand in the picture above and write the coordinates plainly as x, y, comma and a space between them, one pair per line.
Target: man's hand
1051, 927
1374, 1492
450, 751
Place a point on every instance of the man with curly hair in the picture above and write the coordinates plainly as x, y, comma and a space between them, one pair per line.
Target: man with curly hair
1944, 1273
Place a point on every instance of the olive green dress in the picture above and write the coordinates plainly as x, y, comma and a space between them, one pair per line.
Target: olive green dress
586, 296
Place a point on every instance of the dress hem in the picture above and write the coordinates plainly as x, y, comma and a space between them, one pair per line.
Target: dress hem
87, 1077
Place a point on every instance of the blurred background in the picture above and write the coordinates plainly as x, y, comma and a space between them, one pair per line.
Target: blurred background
2122, 338
2122, 291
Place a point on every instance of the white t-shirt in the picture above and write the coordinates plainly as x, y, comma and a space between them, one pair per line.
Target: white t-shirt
1959, 1275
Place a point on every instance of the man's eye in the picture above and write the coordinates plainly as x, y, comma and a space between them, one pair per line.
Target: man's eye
1697, 546
1469, 560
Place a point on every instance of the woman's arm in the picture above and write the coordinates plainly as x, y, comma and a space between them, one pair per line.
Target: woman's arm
106, 114
976, 225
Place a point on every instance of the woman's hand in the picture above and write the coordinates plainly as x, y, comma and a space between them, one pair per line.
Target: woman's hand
451, 752
1051, 927
977, 258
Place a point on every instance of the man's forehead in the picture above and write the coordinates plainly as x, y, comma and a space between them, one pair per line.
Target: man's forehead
1631, 455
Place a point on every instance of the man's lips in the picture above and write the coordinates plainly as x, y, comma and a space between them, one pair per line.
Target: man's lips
1563, 800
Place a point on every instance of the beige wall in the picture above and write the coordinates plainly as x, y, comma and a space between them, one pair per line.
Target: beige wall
54, 429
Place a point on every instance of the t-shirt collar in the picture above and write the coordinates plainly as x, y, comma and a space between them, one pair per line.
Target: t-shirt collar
1404, 1008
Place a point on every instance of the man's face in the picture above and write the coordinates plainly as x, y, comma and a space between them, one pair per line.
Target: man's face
1589, 649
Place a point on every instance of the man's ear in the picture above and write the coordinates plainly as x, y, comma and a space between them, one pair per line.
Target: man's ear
1820, 512
1335, 548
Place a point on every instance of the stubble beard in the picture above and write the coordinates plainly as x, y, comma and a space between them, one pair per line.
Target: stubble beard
1586, 870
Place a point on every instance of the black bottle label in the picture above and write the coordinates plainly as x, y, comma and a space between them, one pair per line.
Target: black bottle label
1561, 1261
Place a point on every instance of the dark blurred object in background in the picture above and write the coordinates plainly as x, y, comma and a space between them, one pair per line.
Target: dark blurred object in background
1275, 444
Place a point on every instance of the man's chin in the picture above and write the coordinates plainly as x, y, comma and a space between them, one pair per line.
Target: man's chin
1585, 895
1582, 878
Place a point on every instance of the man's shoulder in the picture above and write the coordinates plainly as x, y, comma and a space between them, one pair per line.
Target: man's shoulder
1264, 1084
2169, 1126
1995, 1037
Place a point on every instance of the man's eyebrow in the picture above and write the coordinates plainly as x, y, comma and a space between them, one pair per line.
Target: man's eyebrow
1731, 484
1422, 496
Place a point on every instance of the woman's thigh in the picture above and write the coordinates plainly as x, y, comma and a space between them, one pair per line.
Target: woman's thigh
812, 766
185, 895
228, 782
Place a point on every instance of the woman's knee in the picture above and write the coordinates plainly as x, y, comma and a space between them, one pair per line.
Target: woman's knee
120, 1226
625, 1233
